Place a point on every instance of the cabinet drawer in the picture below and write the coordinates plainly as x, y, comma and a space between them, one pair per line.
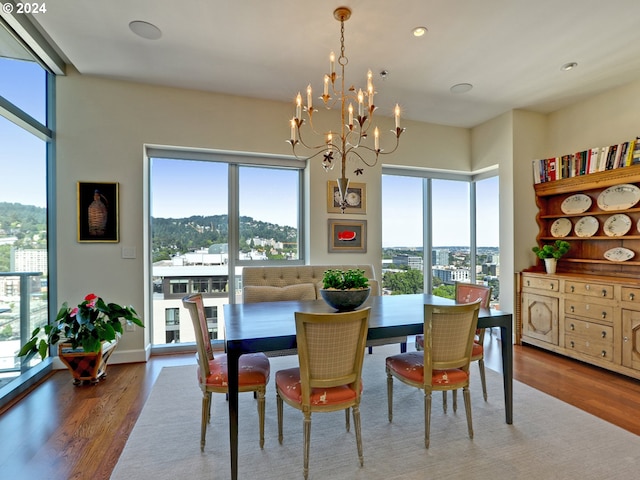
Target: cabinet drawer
539, 283
582, 308
630, 294
588, 330
594, 348
600, 290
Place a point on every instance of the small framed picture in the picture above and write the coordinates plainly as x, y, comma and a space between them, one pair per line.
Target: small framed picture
98, 214
347, 236
356, 198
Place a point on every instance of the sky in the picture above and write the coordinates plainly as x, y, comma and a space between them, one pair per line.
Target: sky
183, 188
23, 156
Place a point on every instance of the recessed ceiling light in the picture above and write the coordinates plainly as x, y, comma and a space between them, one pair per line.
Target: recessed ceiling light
568, 66
145, 30
461, 88
419, 31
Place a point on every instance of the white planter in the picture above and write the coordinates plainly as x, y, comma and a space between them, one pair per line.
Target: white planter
550, 264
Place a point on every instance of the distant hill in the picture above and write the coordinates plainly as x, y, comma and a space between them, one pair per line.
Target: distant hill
16, 219
181, 235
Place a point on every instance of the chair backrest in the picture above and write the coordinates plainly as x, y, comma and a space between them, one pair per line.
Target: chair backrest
331, 349
469, 293
448, 336
193, 303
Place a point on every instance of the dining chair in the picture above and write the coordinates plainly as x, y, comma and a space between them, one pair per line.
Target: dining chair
468, 293
444, 362
253, 370
329, 376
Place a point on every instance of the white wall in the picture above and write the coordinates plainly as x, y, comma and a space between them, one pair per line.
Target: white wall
102, 127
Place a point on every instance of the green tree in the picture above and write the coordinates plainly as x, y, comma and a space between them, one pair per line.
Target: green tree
401, 283
446, 291
5, 257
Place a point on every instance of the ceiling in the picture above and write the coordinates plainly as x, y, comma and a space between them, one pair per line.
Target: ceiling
511, 51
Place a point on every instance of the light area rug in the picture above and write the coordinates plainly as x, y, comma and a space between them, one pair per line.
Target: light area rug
549, 439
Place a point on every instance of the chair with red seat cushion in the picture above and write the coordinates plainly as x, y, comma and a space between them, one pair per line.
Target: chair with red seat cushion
468, 293
444, 363
253, 376
330, 353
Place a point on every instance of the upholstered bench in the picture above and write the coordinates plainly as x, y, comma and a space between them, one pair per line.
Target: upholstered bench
300, 282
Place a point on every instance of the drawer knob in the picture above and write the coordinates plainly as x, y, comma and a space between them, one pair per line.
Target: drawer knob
572, 326
587, 287
604, 334
551, 287
572, 309
572, 343
604, 315
573, 288
604, 353
528, 283
626, 339
632, 296
604, 292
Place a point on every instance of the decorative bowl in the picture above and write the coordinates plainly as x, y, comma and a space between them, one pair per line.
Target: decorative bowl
345, 300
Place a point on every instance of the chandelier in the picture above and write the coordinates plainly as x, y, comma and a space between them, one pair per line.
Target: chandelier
350, 141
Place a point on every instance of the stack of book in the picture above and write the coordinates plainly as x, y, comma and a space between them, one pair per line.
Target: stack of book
588, 161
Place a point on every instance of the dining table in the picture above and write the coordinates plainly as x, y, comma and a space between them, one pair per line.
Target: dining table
270, 326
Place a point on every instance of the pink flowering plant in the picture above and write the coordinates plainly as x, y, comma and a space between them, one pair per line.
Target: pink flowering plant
88, 325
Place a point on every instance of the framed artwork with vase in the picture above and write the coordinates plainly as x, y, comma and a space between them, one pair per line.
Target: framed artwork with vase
98, 214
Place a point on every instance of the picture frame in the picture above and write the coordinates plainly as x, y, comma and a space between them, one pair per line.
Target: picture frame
98, 212
356, 198
348, 236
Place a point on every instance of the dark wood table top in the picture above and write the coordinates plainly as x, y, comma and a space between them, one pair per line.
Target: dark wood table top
256, 327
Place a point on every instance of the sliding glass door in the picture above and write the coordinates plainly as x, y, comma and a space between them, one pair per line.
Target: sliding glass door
211, 216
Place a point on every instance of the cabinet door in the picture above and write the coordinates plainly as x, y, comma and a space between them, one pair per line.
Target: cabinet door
631, 338
540, 317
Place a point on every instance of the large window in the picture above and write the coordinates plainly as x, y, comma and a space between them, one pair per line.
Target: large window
437, 231
25, 87
210, 215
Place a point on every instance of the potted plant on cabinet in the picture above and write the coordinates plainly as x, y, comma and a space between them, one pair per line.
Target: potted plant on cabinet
551, 253
345, 290
86, 336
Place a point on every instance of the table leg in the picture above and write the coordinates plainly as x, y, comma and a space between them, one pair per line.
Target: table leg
506, 333
232, 365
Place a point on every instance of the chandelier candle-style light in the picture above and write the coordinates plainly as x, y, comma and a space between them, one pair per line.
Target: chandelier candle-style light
350, 140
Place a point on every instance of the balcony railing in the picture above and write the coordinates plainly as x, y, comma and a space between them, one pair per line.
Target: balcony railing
28, 293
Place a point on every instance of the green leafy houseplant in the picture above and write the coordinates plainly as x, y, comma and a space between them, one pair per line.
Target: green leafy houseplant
345, 290
88, 325
353, 279
554, 250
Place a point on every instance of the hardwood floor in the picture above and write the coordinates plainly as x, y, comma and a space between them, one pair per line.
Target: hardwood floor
62, 432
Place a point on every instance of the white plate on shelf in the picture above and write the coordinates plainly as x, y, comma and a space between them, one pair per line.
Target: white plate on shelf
617, 225
619, 254
561, 227
578, 203
586, 227
619, 197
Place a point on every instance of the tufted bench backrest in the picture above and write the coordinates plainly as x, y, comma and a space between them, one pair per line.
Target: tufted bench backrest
295, 282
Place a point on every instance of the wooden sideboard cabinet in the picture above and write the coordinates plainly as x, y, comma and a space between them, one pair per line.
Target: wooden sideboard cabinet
590, 309
595, 319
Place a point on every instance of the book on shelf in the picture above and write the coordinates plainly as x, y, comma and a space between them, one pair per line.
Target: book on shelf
635, 156
621, 154
629, 159
611, 156
593, 160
